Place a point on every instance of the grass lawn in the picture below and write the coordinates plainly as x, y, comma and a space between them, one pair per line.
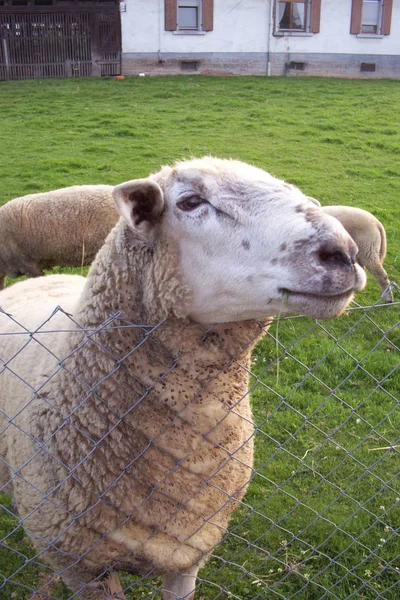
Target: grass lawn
321, 517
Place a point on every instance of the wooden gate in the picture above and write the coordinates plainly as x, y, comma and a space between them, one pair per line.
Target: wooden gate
59, 38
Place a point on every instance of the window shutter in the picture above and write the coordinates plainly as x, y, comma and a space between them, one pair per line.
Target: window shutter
208, 15
315, 16
386, 16
171, 15
356, 11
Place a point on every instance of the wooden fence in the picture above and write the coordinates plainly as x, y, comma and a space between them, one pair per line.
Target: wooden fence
59, 41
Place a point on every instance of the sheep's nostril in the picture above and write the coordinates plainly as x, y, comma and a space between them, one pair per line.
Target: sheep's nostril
335, 257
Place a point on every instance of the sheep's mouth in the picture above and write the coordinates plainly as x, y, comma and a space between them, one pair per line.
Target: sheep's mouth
295, 294
317, 306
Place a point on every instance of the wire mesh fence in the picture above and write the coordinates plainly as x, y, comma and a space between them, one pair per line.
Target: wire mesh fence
96, 482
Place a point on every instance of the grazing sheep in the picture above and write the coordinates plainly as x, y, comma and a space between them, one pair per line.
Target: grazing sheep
64, 227
370, 236
139, 447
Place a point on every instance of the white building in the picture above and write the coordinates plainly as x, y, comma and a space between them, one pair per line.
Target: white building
346, 38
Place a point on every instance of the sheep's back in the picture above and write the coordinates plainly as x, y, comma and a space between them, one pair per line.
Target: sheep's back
365, 229
64, 227
30, 359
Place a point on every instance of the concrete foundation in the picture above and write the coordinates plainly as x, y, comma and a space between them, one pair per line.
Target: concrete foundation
367, 66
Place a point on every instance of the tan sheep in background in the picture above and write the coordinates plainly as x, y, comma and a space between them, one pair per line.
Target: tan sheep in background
370, 236
64, 228
132, 452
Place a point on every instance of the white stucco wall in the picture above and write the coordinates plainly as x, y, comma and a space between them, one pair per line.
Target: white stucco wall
335, 36
243, 26
239, 26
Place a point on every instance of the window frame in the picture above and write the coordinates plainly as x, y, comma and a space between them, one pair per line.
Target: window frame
379, 19
190, 4
384, 19
312, 19
293, 29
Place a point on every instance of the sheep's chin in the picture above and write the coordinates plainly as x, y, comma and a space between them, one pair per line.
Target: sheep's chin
316, 306
307, 304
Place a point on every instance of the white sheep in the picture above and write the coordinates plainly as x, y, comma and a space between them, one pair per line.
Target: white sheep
64, 227
370, 236
131, 450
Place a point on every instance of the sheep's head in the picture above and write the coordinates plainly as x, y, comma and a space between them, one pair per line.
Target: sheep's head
249, 245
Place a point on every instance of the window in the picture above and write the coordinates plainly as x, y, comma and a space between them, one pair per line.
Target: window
368, 67
297, 16
292, 15
189, 65
188, 15
371, 17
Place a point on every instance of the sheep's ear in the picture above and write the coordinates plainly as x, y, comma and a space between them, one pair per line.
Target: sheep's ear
317, 202
141, 203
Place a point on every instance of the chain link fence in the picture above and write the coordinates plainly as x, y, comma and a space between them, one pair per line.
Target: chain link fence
320, 518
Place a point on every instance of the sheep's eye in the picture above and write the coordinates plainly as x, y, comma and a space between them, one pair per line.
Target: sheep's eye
191, 203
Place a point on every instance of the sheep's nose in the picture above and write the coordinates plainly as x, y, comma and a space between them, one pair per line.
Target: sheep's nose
331, 254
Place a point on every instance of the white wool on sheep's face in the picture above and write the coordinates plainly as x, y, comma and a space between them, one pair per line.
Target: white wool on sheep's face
246, 239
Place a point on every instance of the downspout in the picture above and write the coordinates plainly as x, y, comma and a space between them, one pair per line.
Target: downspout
270, 30
160, 60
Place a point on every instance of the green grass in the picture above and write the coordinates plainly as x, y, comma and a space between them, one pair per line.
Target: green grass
315, 514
